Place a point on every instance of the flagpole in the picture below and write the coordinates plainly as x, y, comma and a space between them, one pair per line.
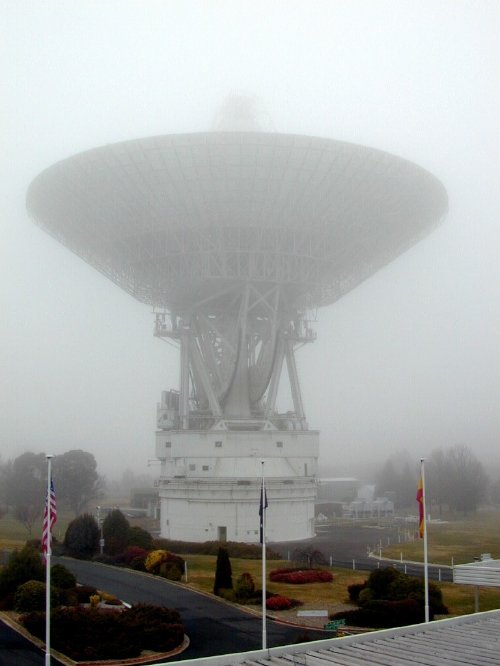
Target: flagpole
426, 562
264, 610
48, 554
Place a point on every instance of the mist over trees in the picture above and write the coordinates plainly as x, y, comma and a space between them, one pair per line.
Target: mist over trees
77, 480
24, 484
456, 481
456, 477
25, 481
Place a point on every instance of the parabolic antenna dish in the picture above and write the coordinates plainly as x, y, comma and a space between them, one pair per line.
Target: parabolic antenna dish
167, 218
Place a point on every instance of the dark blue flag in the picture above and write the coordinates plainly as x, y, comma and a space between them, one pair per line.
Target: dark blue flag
262, 507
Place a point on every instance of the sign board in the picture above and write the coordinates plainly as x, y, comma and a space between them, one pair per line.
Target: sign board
312, 613
485, 573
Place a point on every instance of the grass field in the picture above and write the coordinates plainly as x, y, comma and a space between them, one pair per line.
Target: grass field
201, 571
461, 540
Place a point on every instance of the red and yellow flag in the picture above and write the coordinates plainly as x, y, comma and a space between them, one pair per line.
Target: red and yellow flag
420, 500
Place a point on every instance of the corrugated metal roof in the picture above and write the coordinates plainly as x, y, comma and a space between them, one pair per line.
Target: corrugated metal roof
472, 640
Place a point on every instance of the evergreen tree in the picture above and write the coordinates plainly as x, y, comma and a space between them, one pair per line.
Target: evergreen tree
223, 572
82, 537
116, 530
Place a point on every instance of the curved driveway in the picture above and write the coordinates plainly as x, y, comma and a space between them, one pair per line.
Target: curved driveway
213, 627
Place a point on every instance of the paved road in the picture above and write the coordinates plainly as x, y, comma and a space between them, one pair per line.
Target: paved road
213, 627
15, 650
345, 544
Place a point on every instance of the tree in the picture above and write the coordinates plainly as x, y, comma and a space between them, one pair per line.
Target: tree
437, 480
468, 480
115, 529
76, 479
223, 572
455, 477
310, 556
5, 474
397, 476
82, 537
22, 565
27, 487
495, 492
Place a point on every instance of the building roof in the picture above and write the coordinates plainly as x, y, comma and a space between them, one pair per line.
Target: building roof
471, 640
165, 216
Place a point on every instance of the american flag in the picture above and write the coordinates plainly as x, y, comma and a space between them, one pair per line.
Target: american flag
47, 529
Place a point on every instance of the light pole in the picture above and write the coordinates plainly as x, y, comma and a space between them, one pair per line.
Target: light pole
99, 525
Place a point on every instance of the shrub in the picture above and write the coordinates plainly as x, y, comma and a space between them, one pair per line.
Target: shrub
61, 577
30, 596
408, 587
277, 602
354, 590
382, 614
83, 634
165, 564
68, 597
223, 572
112, 602
147, 613
380, 581
132, 553
392, 585
309, 556
154, 559
245, 586
82, 537
365, 595
234, 548
116, 530
170, 570
300, 577
227, 593
138, 537
22, 566
84, 592
137, 564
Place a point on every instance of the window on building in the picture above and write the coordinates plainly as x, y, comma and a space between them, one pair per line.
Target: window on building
205, 468
218, 444
168, 445
192, 467
279, 445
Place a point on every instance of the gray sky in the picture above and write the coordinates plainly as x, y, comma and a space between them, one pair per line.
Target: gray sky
410, 359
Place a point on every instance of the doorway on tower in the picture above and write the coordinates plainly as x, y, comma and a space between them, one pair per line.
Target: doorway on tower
222, 533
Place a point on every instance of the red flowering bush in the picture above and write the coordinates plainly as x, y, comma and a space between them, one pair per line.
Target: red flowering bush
278, 603
131, 553
300, 576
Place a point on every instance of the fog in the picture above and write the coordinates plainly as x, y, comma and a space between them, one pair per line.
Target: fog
409, 360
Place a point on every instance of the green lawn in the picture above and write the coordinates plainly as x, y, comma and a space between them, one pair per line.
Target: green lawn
461, 540
201, 572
